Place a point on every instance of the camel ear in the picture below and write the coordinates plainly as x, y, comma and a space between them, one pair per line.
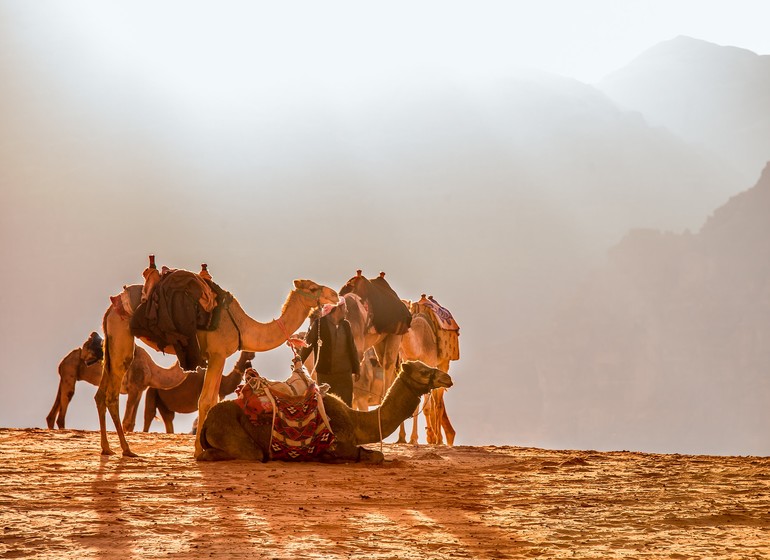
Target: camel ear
407, 367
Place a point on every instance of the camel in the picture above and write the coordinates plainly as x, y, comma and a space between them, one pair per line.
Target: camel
80, 364
385, 344
184, 397
235, 331
227, 433
421, 343
144, 373
86, 364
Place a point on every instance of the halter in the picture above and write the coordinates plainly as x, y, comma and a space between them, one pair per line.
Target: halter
431, 385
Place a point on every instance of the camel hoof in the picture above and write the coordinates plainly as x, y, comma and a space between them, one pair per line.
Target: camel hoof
107, 452
129, 453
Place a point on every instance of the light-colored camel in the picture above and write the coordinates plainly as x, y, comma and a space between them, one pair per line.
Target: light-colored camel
81, 364
227, 433
184, 397
85, 364
235, 331
421, 343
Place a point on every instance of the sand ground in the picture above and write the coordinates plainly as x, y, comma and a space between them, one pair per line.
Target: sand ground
60, 499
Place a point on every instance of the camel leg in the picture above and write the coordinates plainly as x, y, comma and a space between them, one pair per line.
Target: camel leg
348, 453
150, 398
65, 398
132, 407
443, 419
209, 394
401, 434
118, 355
229, 434
168, 417
435, 415
107, 399
427, 409
413, 439
52, 415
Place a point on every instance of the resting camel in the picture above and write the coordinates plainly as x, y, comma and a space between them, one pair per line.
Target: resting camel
235, 331
184, 397
85, 364
421, 343
227, 432
81, 364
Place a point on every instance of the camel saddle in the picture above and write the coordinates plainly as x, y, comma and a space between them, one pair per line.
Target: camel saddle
445, 327
294, 409
389, 315
180, 304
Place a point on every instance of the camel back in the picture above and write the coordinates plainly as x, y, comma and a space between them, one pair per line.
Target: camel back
300, 427
444, 326
389, 314
177, 307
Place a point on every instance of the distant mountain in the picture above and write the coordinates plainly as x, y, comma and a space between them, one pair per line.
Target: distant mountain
670, 341
713, 95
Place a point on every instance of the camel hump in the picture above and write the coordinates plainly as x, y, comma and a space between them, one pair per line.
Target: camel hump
389, 315
441, 315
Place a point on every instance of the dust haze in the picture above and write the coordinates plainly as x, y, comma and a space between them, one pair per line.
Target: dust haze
587, 240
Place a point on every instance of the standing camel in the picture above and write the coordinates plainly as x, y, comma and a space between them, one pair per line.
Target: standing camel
184, 397
377, 321
426, 342
81, 364
235, 331
86, 364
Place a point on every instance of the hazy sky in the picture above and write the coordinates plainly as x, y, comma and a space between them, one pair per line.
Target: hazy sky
225, 116
256, 53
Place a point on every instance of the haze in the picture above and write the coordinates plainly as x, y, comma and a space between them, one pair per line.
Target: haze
478, 153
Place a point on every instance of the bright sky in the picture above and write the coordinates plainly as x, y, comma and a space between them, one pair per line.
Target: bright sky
339, 50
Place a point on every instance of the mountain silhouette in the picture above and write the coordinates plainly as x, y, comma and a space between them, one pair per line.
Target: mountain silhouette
715, 96
669, 342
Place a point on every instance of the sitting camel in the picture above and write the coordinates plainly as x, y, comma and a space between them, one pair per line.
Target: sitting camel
85, 364
234, 331
227, 432
184, 397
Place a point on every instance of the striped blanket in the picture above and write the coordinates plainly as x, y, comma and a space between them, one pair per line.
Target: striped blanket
300, 428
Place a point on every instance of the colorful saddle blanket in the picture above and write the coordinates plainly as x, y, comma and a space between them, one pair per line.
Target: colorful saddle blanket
443, 317
300, 428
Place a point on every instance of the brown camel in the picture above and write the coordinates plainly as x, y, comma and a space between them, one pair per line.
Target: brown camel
144, 373
235, 331
85, 364
360, 315
184, 397
421, 343
81, 364
227, 432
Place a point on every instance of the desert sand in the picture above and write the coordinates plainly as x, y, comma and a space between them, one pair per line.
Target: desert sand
60, 499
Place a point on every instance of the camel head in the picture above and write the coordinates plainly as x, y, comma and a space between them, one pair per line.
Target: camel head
316, 294
244, 361
421, 378
92, 350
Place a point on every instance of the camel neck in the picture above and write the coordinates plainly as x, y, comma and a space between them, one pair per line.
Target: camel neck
260, 337
398, 405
